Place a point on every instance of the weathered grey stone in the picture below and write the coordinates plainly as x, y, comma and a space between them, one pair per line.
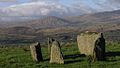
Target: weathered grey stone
92, 44
50, 41
36, 52
56, 54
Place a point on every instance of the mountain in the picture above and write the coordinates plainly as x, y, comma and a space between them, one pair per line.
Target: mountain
98, 21
108, 16
94, 22
45, 22
49, 22
68, 27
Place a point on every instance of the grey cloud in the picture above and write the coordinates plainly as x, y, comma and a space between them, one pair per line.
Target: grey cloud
114, 1
102, 5
45, 7
47, 0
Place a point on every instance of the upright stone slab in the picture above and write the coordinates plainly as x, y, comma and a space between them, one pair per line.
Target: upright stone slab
92, 44
50, 41
99, 50
56, 54
36, 52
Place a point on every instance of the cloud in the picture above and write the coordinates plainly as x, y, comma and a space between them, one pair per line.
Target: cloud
55, 8
35, 9
41, 8
114, 1
98, 5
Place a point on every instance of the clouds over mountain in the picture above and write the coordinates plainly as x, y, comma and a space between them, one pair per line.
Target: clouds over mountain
58, 8
35, 9
98, 5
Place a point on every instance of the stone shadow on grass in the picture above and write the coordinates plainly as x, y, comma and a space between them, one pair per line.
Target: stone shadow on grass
110, 54
73, 56
72, 61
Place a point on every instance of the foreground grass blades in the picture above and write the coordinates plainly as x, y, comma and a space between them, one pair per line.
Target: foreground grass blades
20, 57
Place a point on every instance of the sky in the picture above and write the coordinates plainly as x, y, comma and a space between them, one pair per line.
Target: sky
92, 3
56, 7
5, 3
12, 2
36, 8
109, 4
64, 2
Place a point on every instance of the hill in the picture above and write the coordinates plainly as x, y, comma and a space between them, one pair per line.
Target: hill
61, 28
49, 22
97, 21
94, 22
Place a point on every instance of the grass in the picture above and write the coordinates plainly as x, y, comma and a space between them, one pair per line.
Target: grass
19, 57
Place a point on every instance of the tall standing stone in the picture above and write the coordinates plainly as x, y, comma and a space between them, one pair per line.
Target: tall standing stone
56, 54
92, 44
50, 41
36, 52
99, 50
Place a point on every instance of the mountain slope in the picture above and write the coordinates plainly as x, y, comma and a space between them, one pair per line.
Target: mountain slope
98, 21
50, 26
50, 22
94, 22
97, 17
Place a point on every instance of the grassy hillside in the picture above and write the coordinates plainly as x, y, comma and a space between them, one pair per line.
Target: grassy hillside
63, 34
19, 57
113, 35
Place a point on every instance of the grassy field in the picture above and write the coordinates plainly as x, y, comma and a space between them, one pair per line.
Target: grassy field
19, 57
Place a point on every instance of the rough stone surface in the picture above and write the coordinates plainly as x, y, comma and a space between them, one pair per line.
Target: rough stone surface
36, 52
56, 54
50, 41
92, 44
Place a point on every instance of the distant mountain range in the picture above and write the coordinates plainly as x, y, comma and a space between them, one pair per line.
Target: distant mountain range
65, 27
36, 21
94, 22
97, 21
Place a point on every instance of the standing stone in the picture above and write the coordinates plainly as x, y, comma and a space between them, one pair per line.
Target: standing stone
36, 52
56, 54
92, 44
50, 41
99, 50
